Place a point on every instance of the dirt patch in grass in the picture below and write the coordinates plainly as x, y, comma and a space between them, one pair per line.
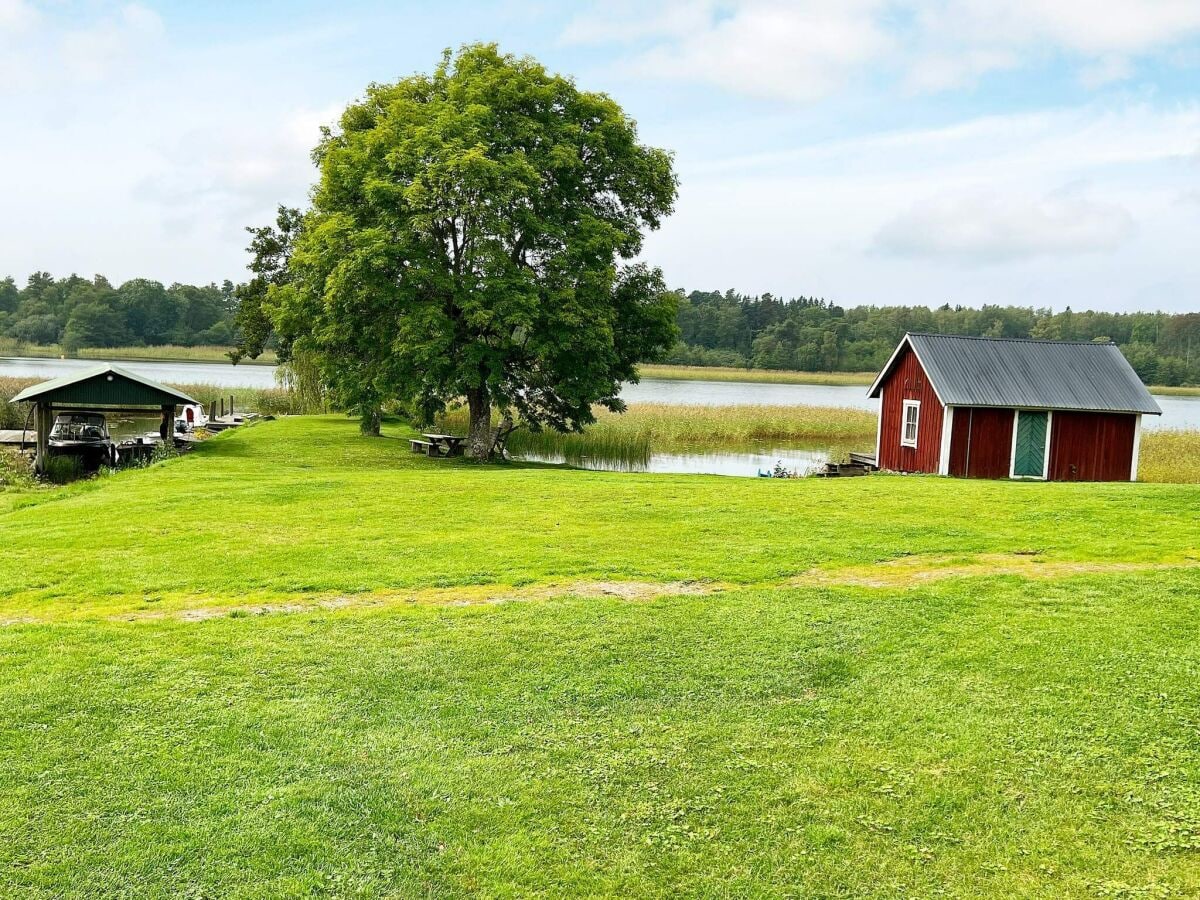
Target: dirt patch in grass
261, 609
908, 571
469, 596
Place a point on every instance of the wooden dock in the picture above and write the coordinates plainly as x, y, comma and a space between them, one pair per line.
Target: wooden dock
220, 423
859, 464
13, 436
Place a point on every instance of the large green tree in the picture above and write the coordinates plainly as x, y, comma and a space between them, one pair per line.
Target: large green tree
270, 251
472, 236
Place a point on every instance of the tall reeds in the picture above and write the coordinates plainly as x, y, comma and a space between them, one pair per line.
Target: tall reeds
629, 438
1171, 456
772, 376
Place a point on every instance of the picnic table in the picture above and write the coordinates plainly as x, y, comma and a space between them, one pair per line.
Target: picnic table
439, 445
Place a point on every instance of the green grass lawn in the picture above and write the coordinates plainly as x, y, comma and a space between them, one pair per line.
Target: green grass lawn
279, 666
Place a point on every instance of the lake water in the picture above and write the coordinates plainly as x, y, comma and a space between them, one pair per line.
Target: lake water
221, 374
749, 463
1178, 412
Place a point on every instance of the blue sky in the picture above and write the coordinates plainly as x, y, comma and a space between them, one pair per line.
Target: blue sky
985, 151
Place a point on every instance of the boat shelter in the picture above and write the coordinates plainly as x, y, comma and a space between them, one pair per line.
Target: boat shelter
105, 389
1010, 408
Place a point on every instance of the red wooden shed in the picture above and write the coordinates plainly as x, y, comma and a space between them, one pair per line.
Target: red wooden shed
1010, 408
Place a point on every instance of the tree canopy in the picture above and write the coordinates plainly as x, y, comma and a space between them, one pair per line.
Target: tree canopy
91, 312
471, 236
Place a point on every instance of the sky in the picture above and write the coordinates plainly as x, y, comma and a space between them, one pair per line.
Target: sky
925, 152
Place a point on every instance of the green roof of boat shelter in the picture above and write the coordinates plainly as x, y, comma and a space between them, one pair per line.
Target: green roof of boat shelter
103, 385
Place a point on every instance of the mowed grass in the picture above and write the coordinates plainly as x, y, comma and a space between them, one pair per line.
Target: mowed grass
780, 736
305, 504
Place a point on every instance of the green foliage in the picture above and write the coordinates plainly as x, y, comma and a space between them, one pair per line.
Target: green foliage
270, 251
62, 469
15, 471
470, 237
79, 313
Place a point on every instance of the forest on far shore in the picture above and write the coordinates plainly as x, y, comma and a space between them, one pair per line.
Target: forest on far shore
716, 329
813, 335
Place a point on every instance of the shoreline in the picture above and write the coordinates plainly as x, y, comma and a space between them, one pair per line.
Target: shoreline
212, 354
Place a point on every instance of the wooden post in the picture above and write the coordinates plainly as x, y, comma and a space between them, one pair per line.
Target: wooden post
44, 419
231, 406
222, 407
167, 427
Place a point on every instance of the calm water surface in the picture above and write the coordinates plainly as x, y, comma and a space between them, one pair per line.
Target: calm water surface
1178, 412
222, 374
749, 463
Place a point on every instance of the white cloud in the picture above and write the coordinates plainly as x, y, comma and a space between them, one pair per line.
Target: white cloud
624, 22
1105, 71
16, 16
112, 44
971, 213
804, 50
800, 51
999, 228
39, 54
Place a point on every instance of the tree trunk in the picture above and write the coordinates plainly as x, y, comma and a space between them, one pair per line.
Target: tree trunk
479, 437
370, 421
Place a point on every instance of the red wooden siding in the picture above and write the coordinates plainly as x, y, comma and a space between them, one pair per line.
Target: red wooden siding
908, 381
981, 442
1091, 446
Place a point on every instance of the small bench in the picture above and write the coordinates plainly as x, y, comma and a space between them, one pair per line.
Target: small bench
420, 446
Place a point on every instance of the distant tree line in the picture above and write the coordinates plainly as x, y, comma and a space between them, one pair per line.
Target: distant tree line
80, 312
810, 334
716, 329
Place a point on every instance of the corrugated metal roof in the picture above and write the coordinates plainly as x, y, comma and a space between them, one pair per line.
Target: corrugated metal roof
104, 385
1017, 372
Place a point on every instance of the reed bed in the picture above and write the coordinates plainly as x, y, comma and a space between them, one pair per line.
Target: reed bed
199, 353
630, 437
772, 376
1170, 456
177, 352
12, 415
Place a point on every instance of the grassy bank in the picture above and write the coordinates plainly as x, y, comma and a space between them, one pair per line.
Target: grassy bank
772, 376
9, 347
590, 684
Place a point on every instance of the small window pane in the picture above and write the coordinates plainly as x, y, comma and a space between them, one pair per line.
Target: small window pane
910, 425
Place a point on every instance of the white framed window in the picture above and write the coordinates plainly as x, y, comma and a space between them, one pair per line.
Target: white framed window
910, 423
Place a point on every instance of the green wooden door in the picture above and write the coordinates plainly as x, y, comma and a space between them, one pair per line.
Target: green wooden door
1030, 452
